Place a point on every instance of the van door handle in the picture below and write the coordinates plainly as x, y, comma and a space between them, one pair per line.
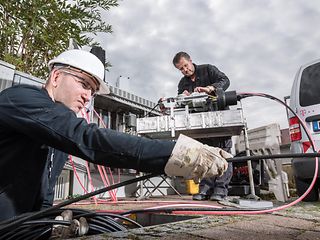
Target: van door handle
313, 118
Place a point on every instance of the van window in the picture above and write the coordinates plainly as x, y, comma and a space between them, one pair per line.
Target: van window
310, 86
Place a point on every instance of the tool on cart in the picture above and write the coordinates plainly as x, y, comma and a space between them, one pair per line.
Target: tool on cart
199, 102
198, 115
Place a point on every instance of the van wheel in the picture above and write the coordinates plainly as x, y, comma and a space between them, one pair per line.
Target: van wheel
302, 186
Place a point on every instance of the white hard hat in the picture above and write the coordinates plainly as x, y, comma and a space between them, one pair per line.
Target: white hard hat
84, 61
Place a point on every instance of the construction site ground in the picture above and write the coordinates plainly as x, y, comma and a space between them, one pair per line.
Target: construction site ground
300, 222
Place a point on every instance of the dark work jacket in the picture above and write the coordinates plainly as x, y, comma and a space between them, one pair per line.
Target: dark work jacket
54, 165
30, 123
206, 75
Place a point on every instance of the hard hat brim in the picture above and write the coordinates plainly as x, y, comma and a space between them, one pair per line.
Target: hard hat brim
103, 89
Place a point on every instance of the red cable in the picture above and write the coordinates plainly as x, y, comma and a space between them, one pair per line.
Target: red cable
271, 209
113, 192
103, 174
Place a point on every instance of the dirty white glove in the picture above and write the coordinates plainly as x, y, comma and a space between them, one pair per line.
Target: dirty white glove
193, 160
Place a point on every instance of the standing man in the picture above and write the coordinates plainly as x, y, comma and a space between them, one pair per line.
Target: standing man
39, 124
205, 78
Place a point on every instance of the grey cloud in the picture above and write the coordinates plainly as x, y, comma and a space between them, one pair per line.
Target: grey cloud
258, 44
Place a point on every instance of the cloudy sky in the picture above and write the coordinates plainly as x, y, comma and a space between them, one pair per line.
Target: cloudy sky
258, 44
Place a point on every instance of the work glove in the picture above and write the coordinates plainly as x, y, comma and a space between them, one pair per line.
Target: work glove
76, 228
193, 160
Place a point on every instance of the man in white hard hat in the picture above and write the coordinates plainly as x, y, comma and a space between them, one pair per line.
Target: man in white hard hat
36, 123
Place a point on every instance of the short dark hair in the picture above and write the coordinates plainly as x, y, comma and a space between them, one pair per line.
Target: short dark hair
180, 55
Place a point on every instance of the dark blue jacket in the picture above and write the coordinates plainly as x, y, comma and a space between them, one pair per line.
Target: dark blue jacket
30, 123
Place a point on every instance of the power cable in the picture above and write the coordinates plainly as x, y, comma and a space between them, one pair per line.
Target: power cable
147, 114
273, 156
99, 224
13, 223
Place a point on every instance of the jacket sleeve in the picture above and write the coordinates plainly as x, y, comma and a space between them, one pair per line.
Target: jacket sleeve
217, 78
32, 113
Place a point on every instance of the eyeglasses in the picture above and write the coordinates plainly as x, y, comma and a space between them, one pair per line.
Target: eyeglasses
85, 85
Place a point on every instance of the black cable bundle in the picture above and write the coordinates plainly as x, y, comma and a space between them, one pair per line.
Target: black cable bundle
38, 225
41, 228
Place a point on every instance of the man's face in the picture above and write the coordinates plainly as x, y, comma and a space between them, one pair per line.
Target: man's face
185, 66
73, 88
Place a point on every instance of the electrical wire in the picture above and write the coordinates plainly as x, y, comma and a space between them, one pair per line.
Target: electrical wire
11, 224
102, 172
97, 222
181, 210
244, 95
112, 194
147, 114
100, 224
273, 156
257, 157
129, 220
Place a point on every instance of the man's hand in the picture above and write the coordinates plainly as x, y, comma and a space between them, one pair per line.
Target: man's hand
185, 92
207, 90
194, 160
161, 105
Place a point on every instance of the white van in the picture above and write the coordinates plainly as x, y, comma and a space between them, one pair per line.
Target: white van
305, 101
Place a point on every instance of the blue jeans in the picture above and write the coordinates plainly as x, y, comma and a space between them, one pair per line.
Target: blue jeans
217, 185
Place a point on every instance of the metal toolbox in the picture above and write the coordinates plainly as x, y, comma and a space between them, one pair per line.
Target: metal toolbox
195, 125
